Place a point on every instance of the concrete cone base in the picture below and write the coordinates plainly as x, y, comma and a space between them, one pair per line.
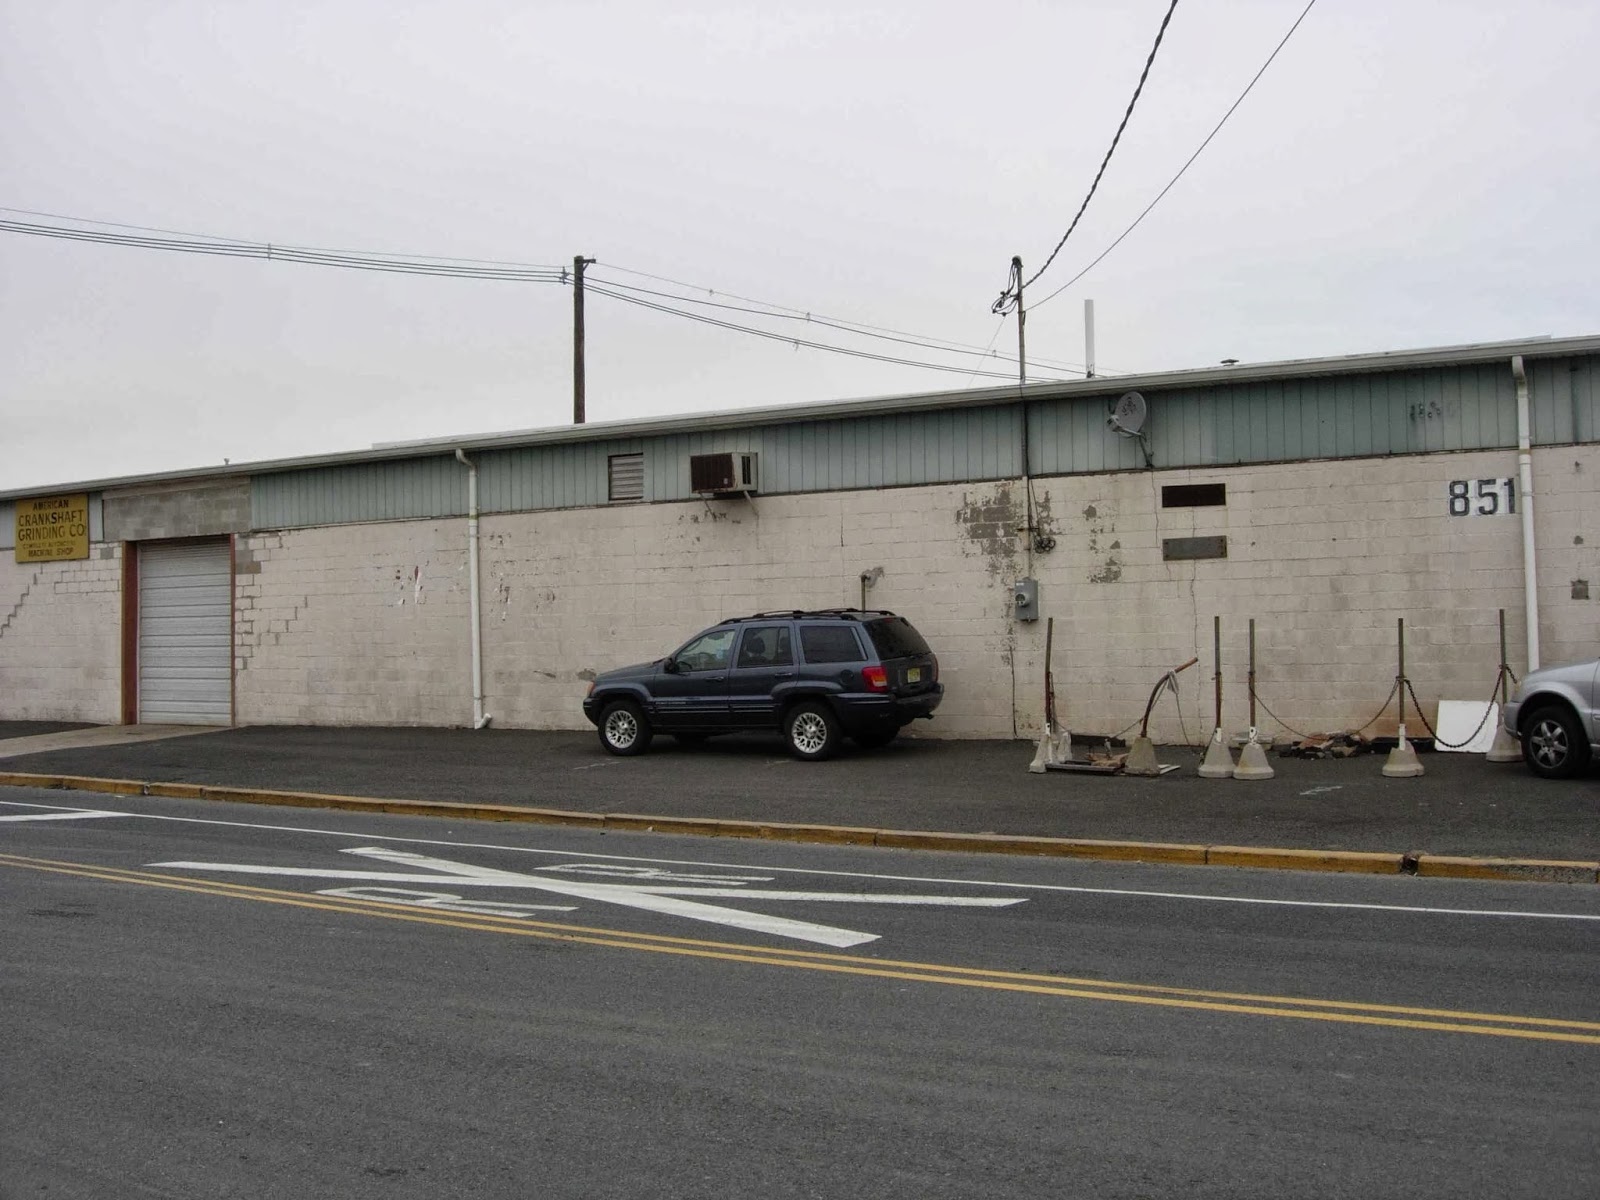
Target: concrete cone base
1053, 748
1402, 763
1142, 758
1218, 763
1505, 749
1253, 762
1043, 755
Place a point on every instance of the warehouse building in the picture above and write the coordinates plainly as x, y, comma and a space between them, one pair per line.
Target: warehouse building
1326, 499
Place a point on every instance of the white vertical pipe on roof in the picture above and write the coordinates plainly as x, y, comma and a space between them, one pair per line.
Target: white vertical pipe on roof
479, 717
1530, 573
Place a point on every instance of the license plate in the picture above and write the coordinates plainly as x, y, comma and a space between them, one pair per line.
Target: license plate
914, 675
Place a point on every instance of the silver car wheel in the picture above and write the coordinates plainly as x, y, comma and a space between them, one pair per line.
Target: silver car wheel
809, 732
622, 730
1547, 744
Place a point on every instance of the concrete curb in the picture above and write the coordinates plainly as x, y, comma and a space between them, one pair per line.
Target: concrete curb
1436, 866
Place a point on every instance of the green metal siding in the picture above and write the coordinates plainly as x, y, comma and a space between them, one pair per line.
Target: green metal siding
382, 491
1355, 415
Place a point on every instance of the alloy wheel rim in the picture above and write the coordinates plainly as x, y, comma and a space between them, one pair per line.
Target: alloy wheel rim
621, 729
810, 733
1549, 743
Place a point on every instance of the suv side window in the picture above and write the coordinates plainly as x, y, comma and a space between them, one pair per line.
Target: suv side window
830, 644
708, 652
766, 646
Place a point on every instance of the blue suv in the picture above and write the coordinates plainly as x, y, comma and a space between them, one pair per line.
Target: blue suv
816, 677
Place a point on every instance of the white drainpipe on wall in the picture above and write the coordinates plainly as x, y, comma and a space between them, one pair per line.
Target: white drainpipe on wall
1530, 574
479, 717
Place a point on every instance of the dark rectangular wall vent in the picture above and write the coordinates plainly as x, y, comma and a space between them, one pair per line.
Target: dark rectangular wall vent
1194, 495
1179, 549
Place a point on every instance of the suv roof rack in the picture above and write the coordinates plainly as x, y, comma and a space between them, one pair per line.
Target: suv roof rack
794, 613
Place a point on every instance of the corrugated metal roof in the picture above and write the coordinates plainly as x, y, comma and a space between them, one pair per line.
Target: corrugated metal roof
696, 423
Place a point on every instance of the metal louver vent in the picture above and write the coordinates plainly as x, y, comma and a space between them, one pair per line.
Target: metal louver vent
626, 477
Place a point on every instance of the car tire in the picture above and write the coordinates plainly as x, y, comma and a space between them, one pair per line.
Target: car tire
1554, 744
812, 731
877, 739
624, 729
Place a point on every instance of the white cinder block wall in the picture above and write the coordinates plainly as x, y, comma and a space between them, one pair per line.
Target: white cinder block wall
60, 638
369, 624
353, 625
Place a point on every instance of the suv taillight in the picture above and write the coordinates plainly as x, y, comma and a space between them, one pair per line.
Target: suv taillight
876, 679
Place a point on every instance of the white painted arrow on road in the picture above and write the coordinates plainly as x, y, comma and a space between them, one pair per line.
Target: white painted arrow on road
650, 889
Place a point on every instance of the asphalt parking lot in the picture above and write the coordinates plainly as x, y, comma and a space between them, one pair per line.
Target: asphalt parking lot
1460, 806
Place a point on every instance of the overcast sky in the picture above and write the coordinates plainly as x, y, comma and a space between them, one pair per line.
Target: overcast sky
1406, 174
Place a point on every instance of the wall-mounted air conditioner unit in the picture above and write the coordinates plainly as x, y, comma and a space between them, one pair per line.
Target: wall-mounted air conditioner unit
724, 474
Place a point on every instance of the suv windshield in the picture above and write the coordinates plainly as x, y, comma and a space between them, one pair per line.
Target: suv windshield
894, 637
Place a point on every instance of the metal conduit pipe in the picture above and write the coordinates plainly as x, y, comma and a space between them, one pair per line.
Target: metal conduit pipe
479, 717
1530, 573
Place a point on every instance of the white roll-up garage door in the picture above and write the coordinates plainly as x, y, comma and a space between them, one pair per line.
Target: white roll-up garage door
185, 634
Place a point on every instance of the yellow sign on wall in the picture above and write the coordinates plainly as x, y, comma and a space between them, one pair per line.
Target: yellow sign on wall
50, 528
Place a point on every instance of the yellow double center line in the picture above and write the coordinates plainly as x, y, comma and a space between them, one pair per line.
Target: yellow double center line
1348, 1012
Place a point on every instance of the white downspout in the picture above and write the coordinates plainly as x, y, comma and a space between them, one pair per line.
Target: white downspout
1530, 573
479, 717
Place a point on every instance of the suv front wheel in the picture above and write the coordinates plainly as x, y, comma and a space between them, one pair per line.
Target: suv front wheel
624, 729
1553, 743
812, 731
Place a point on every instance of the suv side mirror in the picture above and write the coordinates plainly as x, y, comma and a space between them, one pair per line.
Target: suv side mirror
672, 667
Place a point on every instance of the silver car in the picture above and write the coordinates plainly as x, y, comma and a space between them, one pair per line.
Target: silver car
1552, 713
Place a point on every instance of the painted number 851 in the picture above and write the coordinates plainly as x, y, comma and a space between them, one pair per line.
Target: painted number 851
1482, 497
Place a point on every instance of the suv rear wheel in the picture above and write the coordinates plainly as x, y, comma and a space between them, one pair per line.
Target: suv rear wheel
624, 729
1553, 742
812, 731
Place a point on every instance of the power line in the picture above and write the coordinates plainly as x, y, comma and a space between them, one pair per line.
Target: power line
939, 345
175, 241
225, 248
209, 237
855, 326
1217, 129
1007, 298
793, 341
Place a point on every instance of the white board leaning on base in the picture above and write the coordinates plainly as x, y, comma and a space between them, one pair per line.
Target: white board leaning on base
1457, 719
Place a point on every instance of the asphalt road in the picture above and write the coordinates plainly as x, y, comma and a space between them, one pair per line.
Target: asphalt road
1462, 805
674, 1021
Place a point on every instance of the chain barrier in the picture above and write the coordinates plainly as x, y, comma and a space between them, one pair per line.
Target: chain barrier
1256, 696
1487, 708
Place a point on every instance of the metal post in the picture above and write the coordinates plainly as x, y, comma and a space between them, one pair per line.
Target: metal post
1252, 673
578, 264
1400, 679
1216, 642
1402, 762
1088, 339
1022, 320
1503, 668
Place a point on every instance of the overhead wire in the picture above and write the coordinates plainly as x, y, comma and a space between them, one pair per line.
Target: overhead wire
798, 312
1014, 289
939, 345
1171, 182
401, 264
176, 241
782, 337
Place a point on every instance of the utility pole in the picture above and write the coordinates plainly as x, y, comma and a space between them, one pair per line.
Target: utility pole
578, 264
1022, 320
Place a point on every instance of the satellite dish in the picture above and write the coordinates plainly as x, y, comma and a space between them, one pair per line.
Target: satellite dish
1127, 418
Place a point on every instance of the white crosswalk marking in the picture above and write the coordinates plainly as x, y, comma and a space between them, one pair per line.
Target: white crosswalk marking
667, 899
